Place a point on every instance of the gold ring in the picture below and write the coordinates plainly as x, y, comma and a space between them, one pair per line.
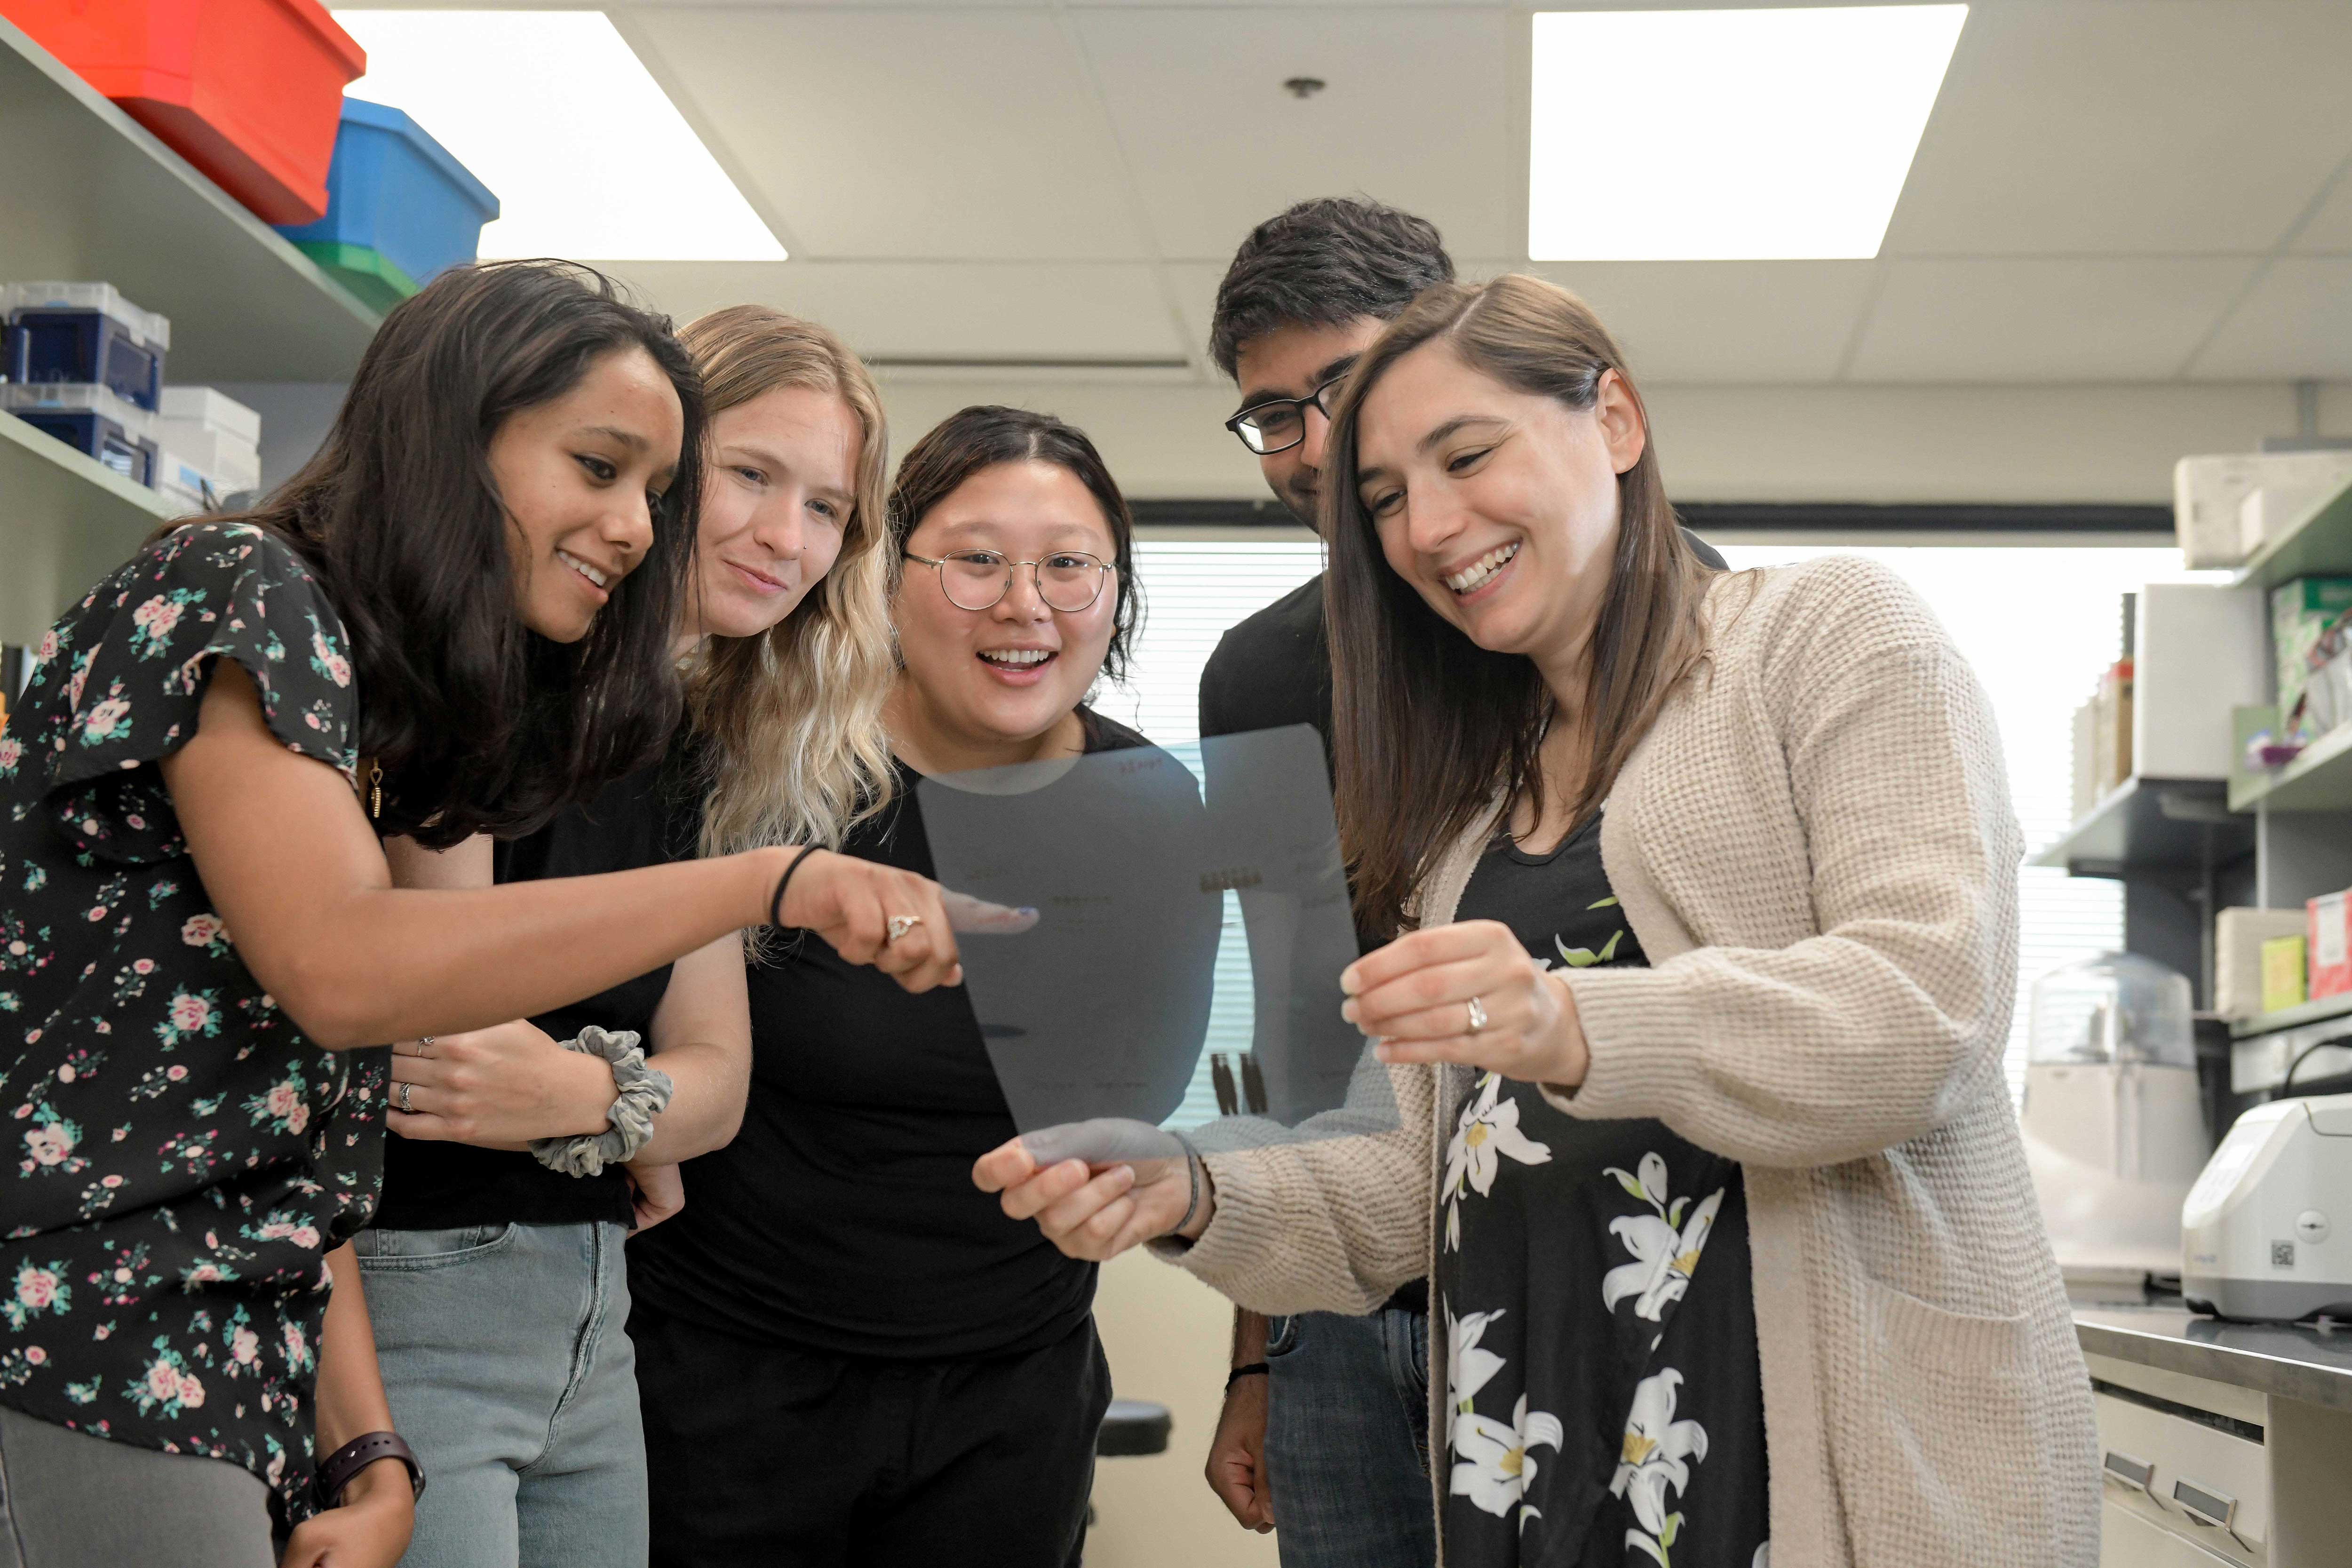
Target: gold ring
1477, 1015
900, 925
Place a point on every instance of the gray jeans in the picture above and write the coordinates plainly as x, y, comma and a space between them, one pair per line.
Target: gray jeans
1347, 1445
70, 1501
510, 1371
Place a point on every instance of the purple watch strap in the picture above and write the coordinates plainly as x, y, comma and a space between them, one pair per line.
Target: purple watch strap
336, 1471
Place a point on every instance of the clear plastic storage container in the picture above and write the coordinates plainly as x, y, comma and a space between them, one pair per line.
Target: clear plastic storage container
78, 332
2116, 1007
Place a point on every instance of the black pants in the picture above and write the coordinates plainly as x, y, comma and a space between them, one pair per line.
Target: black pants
760, 1454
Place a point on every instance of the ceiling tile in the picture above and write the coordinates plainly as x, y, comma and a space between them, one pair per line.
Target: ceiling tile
2330, 228
1719, 321
941, 310
1415, 112
928, 133
2294, 323
2148, 126
2044, 319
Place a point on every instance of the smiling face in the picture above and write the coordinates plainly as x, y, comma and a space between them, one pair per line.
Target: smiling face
1499, 506
1292, 362
579, 477
782, 488
986, 686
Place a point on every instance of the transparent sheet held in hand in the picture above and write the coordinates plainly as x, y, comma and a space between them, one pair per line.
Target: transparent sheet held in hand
1183, 971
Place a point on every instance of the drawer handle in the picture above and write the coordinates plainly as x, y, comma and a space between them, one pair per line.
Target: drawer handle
2136, 1474
2205, 1505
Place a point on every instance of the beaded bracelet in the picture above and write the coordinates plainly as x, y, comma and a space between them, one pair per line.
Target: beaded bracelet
642, 1094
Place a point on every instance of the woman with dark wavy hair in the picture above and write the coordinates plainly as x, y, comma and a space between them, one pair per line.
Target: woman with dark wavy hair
454, 619
1704, 893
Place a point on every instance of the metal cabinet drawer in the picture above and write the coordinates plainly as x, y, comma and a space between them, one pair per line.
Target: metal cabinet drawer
2201, 1478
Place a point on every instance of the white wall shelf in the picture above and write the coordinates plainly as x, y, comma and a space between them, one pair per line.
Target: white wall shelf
2319, 779
2295, 1017
2152, 825
2321, 540
66, 521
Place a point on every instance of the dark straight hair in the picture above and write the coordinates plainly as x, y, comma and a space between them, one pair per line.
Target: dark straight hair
986, 435
479, 724
1428, 726
1323, 263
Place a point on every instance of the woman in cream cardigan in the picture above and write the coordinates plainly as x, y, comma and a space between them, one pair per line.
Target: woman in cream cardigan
1708, 886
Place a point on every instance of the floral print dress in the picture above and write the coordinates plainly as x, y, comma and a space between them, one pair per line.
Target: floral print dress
1603, 1404
183, 1156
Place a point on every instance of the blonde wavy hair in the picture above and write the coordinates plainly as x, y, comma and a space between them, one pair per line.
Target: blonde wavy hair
794, 750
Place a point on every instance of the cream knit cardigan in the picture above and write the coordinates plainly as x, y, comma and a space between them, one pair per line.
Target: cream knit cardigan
1815, 845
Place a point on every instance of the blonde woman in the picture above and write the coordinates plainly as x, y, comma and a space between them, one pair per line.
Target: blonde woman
1707, 888
501, 1294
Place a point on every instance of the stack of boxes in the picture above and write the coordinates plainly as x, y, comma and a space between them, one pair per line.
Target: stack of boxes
86, 365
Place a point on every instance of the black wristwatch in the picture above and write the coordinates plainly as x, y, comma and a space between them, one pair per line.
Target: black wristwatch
335, 1471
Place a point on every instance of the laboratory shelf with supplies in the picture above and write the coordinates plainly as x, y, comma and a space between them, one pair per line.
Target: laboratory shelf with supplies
2319, 541
91, 193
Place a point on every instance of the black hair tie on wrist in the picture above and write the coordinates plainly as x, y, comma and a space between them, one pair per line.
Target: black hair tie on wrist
776, 903
1254, 1369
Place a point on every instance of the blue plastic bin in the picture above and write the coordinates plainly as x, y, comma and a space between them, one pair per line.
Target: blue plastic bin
397, 191
87, 431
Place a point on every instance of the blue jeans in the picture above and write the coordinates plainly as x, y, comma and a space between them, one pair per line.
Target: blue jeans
1347, 1445
510, 1371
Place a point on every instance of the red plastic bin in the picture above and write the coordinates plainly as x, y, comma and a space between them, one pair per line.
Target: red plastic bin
250, 92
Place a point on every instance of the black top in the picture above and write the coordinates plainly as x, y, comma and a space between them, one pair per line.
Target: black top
842, 1217
184, 1156
648, 818
1274, 669
1602, 1364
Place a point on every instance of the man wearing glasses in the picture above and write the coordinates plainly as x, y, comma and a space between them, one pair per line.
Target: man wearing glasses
1325, 1429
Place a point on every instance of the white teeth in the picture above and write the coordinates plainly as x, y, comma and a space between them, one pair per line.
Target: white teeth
1474, 576
1019, 657
580, 566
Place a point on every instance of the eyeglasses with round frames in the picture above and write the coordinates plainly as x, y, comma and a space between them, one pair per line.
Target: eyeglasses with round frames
1280, 423
1068, 581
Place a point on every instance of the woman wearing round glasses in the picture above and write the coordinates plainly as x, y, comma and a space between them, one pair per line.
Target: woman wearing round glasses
846, 1354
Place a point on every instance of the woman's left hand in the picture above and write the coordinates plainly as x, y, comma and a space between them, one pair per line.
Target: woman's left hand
1412, 998
370, 1530
497, 1088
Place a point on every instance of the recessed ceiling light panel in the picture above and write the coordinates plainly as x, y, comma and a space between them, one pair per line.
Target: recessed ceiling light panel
556, 113
1713, 135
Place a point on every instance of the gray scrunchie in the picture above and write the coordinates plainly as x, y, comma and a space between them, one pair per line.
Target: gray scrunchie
644, 1094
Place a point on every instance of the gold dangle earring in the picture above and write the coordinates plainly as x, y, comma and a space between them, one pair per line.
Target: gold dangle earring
376, 790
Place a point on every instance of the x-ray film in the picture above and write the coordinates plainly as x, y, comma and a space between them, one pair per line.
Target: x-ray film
1174, 886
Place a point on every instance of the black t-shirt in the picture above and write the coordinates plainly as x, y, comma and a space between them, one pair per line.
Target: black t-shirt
842, 1217
1274, 669
648, 818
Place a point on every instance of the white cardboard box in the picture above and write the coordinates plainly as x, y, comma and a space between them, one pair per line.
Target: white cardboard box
2237, 937
2198, 650
231, 464
2209, 496
208, 405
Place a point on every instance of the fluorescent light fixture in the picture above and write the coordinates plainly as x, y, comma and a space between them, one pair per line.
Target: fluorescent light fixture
556, 113
1713, 135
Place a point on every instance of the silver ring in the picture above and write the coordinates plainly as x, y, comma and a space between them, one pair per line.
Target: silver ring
900, 925
1477, 1015
405, 1108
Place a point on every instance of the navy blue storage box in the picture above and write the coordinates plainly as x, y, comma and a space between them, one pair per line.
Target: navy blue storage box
83, 344
394, 190
129, 455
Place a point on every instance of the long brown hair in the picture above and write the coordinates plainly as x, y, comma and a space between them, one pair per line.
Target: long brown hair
1428, 726
793, 718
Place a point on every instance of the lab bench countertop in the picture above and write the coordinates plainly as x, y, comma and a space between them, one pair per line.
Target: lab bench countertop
2286, 1360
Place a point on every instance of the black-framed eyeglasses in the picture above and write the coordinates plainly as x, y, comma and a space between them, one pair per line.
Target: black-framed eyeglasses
1280, 423
1067, 580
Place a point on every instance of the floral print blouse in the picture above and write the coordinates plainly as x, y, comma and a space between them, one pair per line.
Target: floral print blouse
1603, 1402
183, 1156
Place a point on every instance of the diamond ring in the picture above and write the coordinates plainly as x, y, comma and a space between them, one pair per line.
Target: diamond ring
1477, 1015
900, 925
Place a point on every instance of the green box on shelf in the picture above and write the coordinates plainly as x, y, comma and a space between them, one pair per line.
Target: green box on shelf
2300, 610
379, 285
